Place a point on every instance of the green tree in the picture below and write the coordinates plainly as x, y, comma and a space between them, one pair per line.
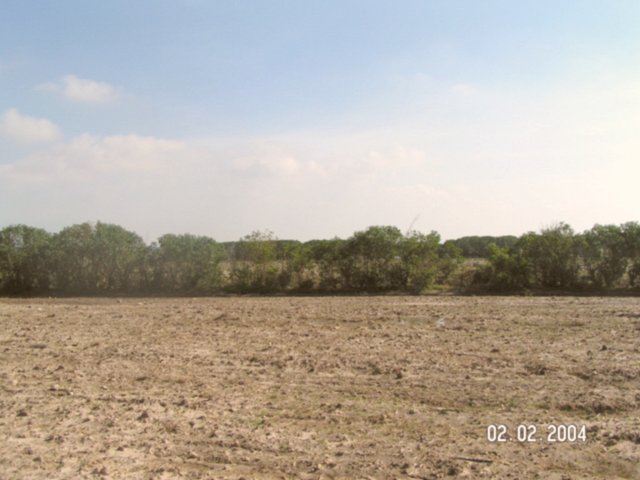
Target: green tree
371, 260
449, 260
605, 255
253, 263
187, 264
75, 259
322, 259
478, 247
421, 260
552, 257
506, 271
292, 264
97, 258
119, 255
24, 260
631, 234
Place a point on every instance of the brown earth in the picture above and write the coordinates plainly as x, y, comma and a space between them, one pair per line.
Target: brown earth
311, 388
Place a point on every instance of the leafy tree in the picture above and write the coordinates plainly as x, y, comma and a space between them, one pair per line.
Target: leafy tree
506, 271
420, 260
119, 254
552, 257
187, 263
605, 255
450, 258
631, 234
24, 260
97, 258
75, 259
253, 268
370, 260
323, 260
478, 246
292, 264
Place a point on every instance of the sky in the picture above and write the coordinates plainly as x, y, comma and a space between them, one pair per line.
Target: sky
319, 119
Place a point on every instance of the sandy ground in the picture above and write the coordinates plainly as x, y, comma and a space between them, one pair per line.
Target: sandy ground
318, 388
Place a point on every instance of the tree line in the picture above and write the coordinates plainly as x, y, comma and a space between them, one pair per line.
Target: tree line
106, 259
103, 258
602, 258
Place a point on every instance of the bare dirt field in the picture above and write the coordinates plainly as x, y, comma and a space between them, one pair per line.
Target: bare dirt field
320, 388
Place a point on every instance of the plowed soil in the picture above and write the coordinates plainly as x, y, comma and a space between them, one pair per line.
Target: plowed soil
318, 388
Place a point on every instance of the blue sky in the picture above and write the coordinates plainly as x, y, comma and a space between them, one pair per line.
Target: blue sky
316, 119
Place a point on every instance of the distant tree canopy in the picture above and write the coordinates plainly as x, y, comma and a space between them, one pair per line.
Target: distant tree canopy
101, 258
25, 260
478, 247
90, 258
184, 264
605, 257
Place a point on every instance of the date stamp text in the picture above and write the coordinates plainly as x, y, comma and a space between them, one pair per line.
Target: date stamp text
530, 433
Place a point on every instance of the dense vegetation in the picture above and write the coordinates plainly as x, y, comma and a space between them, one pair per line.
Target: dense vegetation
478, 247
89, 259
603, 258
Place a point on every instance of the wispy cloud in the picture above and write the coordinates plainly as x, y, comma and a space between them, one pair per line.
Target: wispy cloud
24, 129
516, 162
258, 158
93, 158
82, 90
238, 184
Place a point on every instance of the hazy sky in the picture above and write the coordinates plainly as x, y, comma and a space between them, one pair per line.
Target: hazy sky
317, 119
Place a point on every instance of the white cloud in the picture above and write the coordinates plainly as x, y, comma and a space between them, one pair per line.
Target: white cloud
82, 90
464, 89
286, 165
93, 158
259, 158
24, 129
238, 184
124, 153
489, 163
